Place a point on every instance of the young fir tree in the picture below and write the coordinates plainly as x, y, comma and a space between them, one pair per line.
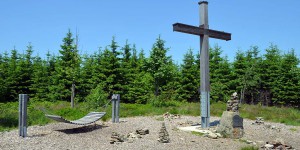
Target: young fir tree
239, 69
188, 90
13, 78
159, 65
110, 67
25, 69
140, 89
66, 69
126, 71
87, 80
39, 80
289, 87
220, 75
251, 79
270, 73
4, 74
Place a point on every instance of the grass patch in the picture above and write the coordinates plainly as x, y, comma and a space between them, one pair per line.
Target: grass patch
160, 118
288, 116
197, 133
9, 112
249, 148
293, 129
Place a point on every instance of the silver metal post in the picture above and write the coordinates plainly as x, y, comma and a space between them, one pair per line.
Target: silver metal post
117, 108
204, 67
23, 99
20, 116
113, 111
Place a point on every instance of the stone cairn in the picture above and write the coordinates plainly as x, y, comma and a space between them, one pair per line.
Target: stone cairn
233, 103
142, 131
130, 137
259, 121
170, 116
117, 138
277, 144
231, 124
163, 134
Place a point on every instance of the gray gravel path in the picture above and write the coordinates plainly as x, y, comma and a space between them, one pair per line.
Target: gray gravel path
65, 136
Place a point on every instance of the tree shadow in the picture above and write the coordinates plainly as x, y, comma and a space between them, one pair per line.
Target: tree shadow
83, 129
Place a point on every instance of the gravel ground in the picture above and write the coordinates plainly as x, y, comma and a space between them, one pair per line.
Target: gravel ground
97, 136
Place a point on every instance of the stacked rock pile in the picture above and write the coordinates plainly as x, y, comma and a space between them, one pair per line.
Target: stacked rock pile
142, 131
117, 138
259, 121
169, 116
163, 134
233, 103
231, 123
277, 144
130, 137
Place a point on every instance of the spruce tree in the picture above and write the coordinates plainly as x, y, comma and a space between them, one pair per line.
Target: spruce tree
220, 75
288, 93
66, 69
39, 80
13, 78
188, 91
140, 89
126, 70
4, 74
270, 73
25, 70
159, 65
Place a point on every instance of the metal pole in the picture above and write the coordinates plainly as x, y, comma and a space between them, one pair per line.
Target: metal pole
113, 110
23, 99
20, 116
204, 67
117, 108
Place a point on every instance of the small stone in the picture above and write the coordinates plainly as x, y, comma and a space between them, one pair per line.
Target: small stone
249, 142
269, 146
219, 135
268, 126
212, 135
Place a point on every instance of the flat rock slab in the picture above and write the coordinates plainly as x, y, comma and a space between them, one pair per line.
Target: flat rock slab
195, 129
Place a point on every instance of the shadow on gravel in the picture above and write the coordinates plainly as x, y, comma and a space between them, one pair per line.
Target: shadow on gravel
83, 129
39, 135
215, 123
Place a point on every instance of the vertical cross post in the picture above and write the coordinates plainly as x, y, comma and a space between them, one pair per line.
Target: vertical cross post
23, 99
204, 32
204, 67
115, 107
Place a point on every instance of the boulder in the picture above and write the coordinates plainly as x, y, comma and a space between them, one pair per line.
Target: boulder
231, 125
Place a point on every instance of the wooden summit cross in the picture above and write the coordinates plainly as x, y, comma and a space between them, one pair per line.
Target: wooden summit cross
204, 32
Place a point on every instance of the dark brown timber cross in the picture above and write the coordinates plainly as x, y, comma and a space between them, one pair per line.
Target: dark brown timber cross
204, 32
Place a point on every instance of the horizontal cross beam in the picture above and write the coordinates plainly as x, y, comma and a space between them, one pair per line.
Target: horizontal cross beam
179, 27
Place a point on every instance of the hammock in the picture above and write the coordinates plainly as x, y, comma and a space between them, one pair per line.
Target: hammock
88, 119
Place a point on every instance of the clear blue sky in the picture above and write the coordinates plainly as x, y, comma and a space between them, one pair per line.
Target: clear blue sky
45, 23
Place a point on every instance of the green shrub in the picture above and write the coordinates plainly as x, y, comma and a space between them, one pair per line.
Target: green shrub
97, 97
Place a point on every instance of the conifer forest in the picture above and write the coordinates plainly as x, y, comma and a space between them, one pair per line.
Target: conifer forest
260, 76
